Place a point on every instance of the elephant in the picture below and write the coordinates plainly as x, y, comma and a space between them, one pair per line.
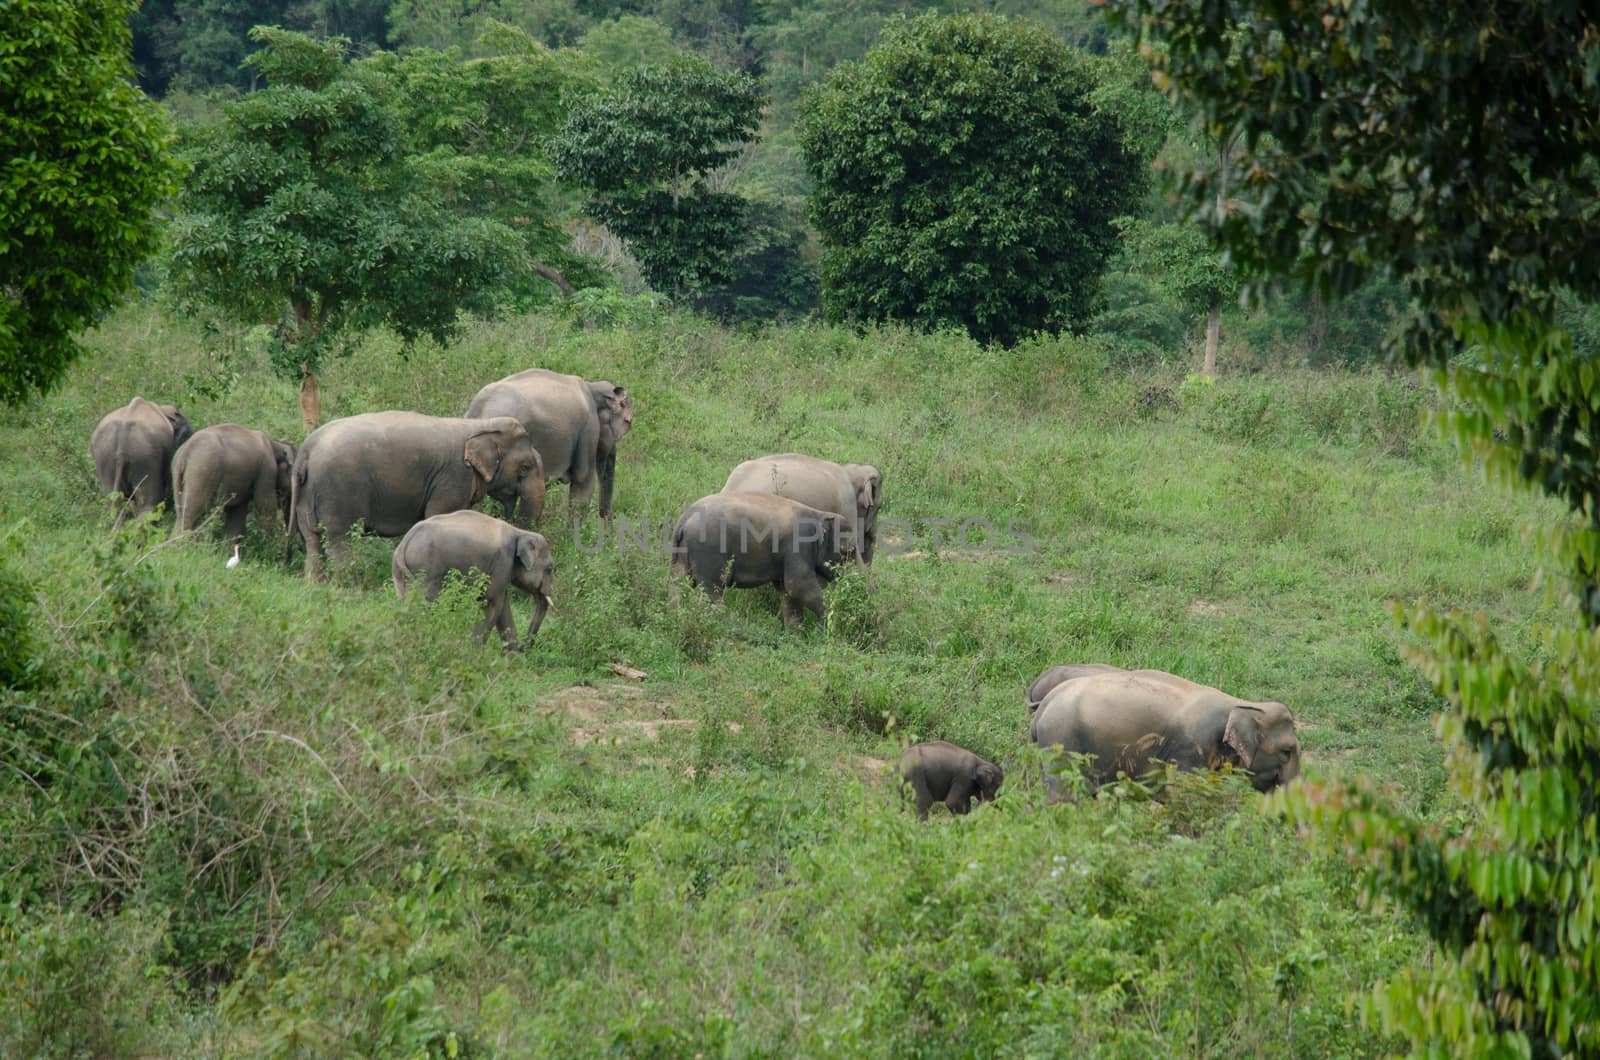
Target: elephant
391, 470
854, 491
575, 424
937, 771
1055, 675
745, 540
465, 541
133, 448
1132, 720
234, 468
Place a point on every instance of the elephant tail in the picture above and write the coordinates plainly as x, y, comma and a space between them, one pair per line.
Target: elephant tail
297, 480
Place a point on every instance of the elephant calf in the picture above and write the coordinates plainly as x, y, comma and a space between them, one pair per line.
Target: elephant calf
133, 448
1130, 721
746, 540
466, 541
233, 468
937, 771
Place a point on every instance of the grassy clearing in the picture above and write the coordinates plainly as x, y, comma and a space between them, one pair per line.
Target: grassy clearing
321, 816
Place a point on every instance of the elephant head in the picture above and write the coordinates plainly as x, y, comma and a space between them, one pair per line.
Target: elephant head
182, 429
533, 571
283, 453
834, 543
868, 484
506, 465
1260, 737
615, 409
986, 781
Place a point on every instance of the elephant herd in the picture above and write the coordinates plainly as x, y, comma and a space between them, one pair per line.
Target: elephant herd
788, 520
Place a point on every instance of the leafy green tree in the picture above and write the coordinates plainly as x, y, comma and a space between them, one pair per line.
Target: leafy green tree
476, 132
86, 161
1451, 149
648, 152
774, 276
631, 41
966, 175
301, 210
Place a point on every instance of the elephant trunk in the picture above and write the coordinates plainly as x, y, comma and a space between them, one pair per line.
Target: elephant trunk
541, 606
608, 476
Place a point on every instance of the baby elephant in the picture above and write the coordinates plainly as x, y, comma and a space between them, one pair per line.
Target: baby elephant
937, 771
467, 540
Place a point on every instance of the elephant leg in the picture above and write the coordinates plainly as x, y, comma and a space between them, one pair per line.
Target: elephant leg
802, 585
579, 494
793, 615
502, 621
147, 492
233, 518
959, 798
925, 799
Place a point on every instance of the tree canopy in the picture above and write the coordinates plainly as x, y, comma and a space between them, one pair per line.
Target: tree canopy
966, 176
301, 210
647, 151
85, 163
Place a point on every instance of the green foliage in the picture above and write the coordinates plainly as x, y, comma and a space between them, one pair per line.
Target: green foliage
84, 986
966, 176
1358, 123
774, 278
647, 149
475, 131
300, 210
87, 162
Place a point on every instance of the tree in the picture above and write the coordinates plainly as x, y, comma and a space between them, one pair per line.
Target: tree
1453, 150
86, 161
648, 152
965, 175
477, 132
300, 210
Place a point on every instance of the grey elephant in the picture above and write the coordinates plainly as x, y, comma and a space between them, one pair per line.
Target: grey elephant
1055, 675
391, 470
744, 540
236, 469
937, 771
132, 449
575, 424
466, 541
1130, 721
854, 491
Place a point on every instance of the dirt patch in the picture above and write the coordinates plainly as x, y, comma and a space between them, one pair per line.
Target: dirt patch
1205, 607
628, 730
871, 770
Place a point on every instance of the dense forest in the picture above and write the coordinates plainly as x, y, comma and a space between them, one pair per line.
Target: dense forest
1245, 345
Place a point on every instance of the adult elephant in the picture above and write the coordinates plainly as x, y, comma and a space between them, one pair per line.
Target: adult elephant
391, 470
745, 540
1055, 675
575, 424
470, 541
132, 449
1130, 721
236, 469
854, 491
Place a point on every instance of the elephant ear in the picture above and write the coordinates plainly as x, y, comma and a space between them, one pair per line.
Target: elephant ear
869, 487
483, 454
182, 429
283, 452
1242, 734
621, 406
527, 551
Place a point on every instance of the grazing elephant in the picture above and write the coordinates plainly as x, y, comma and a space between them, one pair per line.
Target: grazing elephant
233, 468
132, 449
391, 470
575, 424
1132, 720
854, 491
1055, 675
937, 771
466, 541
748, 539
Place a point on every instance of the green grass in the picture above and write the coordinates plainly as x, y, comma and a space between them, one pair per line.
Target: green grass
311, 814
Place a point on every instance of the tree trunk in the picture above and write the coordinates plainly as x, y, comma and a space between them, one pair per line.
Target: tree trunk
310, 400
561, 282
1213, 335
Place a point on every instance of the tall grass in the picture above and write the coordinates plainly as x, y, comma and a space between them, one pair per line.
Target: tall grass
311, 814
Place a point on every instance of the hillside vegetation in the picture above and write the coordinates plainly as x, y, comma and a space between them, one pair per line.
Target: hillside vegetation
243, 813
